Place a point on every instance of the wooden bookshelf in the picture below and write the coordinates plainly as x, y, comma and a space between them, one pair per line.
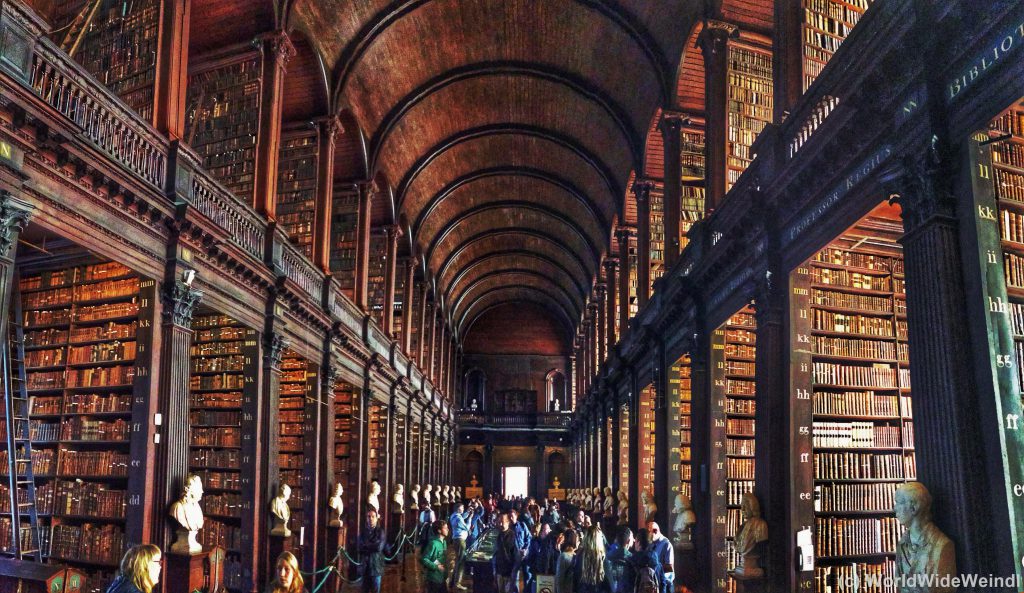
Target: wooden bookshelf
413, 323
657, 230
344, 219
1008, 180
223, 354
634, 305
118, 46
740, 408
826, 23
645, 426
850, 304
298, 383
222, 119
86, 328
346, 444
415, 452
681, 398
375, 275
691, 157
376, 431
749, 104
296, 186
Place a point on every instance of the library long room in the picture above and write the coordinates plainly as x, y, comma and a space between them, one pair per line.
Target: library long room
704, 296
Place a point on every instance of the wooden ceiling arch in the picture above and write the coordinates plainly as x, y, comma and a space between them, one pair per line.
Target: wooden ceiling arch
515, 277
512, 294
502, 238
508, 129
509, 139
510, 258
483, 251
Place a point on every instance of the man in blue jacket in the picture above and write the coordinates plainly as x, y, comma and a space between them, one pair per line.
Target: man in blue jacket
523, 538
460, 522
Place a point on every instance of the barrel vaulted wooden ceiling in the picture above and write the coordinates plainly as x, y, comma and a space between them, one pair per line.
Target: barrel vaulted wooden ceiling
503, 134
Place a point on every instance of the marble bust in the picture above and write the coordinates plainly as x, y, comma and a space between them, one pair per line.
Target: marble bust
336, 505
428, 495
923, 551
279, 509
414, 494
598, 504
609, 502
623, 507
187, 513
398, 500
650, 508
753, 531
445, 495
685, 518
372, 498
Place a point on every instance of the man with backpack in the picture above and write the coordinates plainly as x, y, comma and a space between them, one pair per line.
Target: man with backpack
649, 574
623, 573
662, 547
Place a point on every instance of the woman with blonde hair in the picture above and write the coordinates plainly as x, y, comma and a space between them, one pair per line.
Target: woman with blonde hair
287, 578
591, 568
140, 570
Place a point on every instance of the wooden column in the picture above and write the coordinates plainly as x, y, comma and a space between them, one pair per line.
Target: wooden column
330, 375
592, 340
701, 449
671, 127
263, 449
714, 45
277, 51
602, 325
421, 316
623, 234
642, 192
170, 461
408, 289
392, 232
539, 480
787, 57
784, 478
963, 429
616, 445
633, 492
601, 459
488, 469
611, 268
327, 131
666, 436
442, 351
171, 68
362, 286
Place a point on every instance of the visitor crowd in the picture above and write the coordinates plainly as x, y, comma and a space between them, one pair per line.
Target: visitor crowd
534, 543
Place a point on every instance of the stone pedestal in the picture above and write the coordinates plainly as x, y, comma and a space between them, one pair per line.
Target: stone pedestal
277, 545
334, 541
203, 571
686, 565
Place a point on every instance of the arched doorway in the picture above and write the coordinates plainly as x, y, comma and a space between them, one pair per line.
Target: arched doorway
556, 392
558, 467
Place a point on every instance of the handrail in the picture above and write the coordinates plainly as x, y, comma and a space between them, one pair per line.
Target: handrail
297, 268
103, 119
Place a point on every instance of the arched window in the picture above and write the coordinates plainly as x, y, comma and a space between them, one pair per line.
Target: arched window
472, 467
556, 394
476, 383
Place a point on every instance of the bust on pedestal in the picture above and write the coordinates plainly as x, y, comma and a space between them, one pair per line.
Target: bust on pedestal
336, 505
398, 500
684, 521
189, 516
753, 531
623, 507
428, 495
279, 509
650, 508
924, 552
372, 498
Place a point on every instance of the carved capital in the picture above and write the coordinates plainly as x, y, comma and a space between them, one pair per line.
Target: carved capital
179, 302
623, 233
599, 289
330, 128
715, 34
393, 232
915, 184
611, 264
278, 47
330, 376
642, 190
672, 122
14, 215
274, 345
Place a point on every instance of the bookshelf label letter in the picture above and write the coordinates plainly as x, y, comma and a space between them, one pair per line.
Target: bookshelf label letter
1012, 421
986, 213
805, 458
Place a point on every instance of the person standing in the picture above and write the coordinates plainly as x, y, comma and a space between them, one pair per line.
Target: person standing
563, 568
622, 577
433, 558
287, 578
460, 525
523, 539
662, 548
506, 555
371, 549
591, 569
139, 571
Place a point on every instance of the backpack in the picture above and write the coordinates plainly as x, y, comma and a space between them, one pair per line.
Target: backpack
616, 574
646, 580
